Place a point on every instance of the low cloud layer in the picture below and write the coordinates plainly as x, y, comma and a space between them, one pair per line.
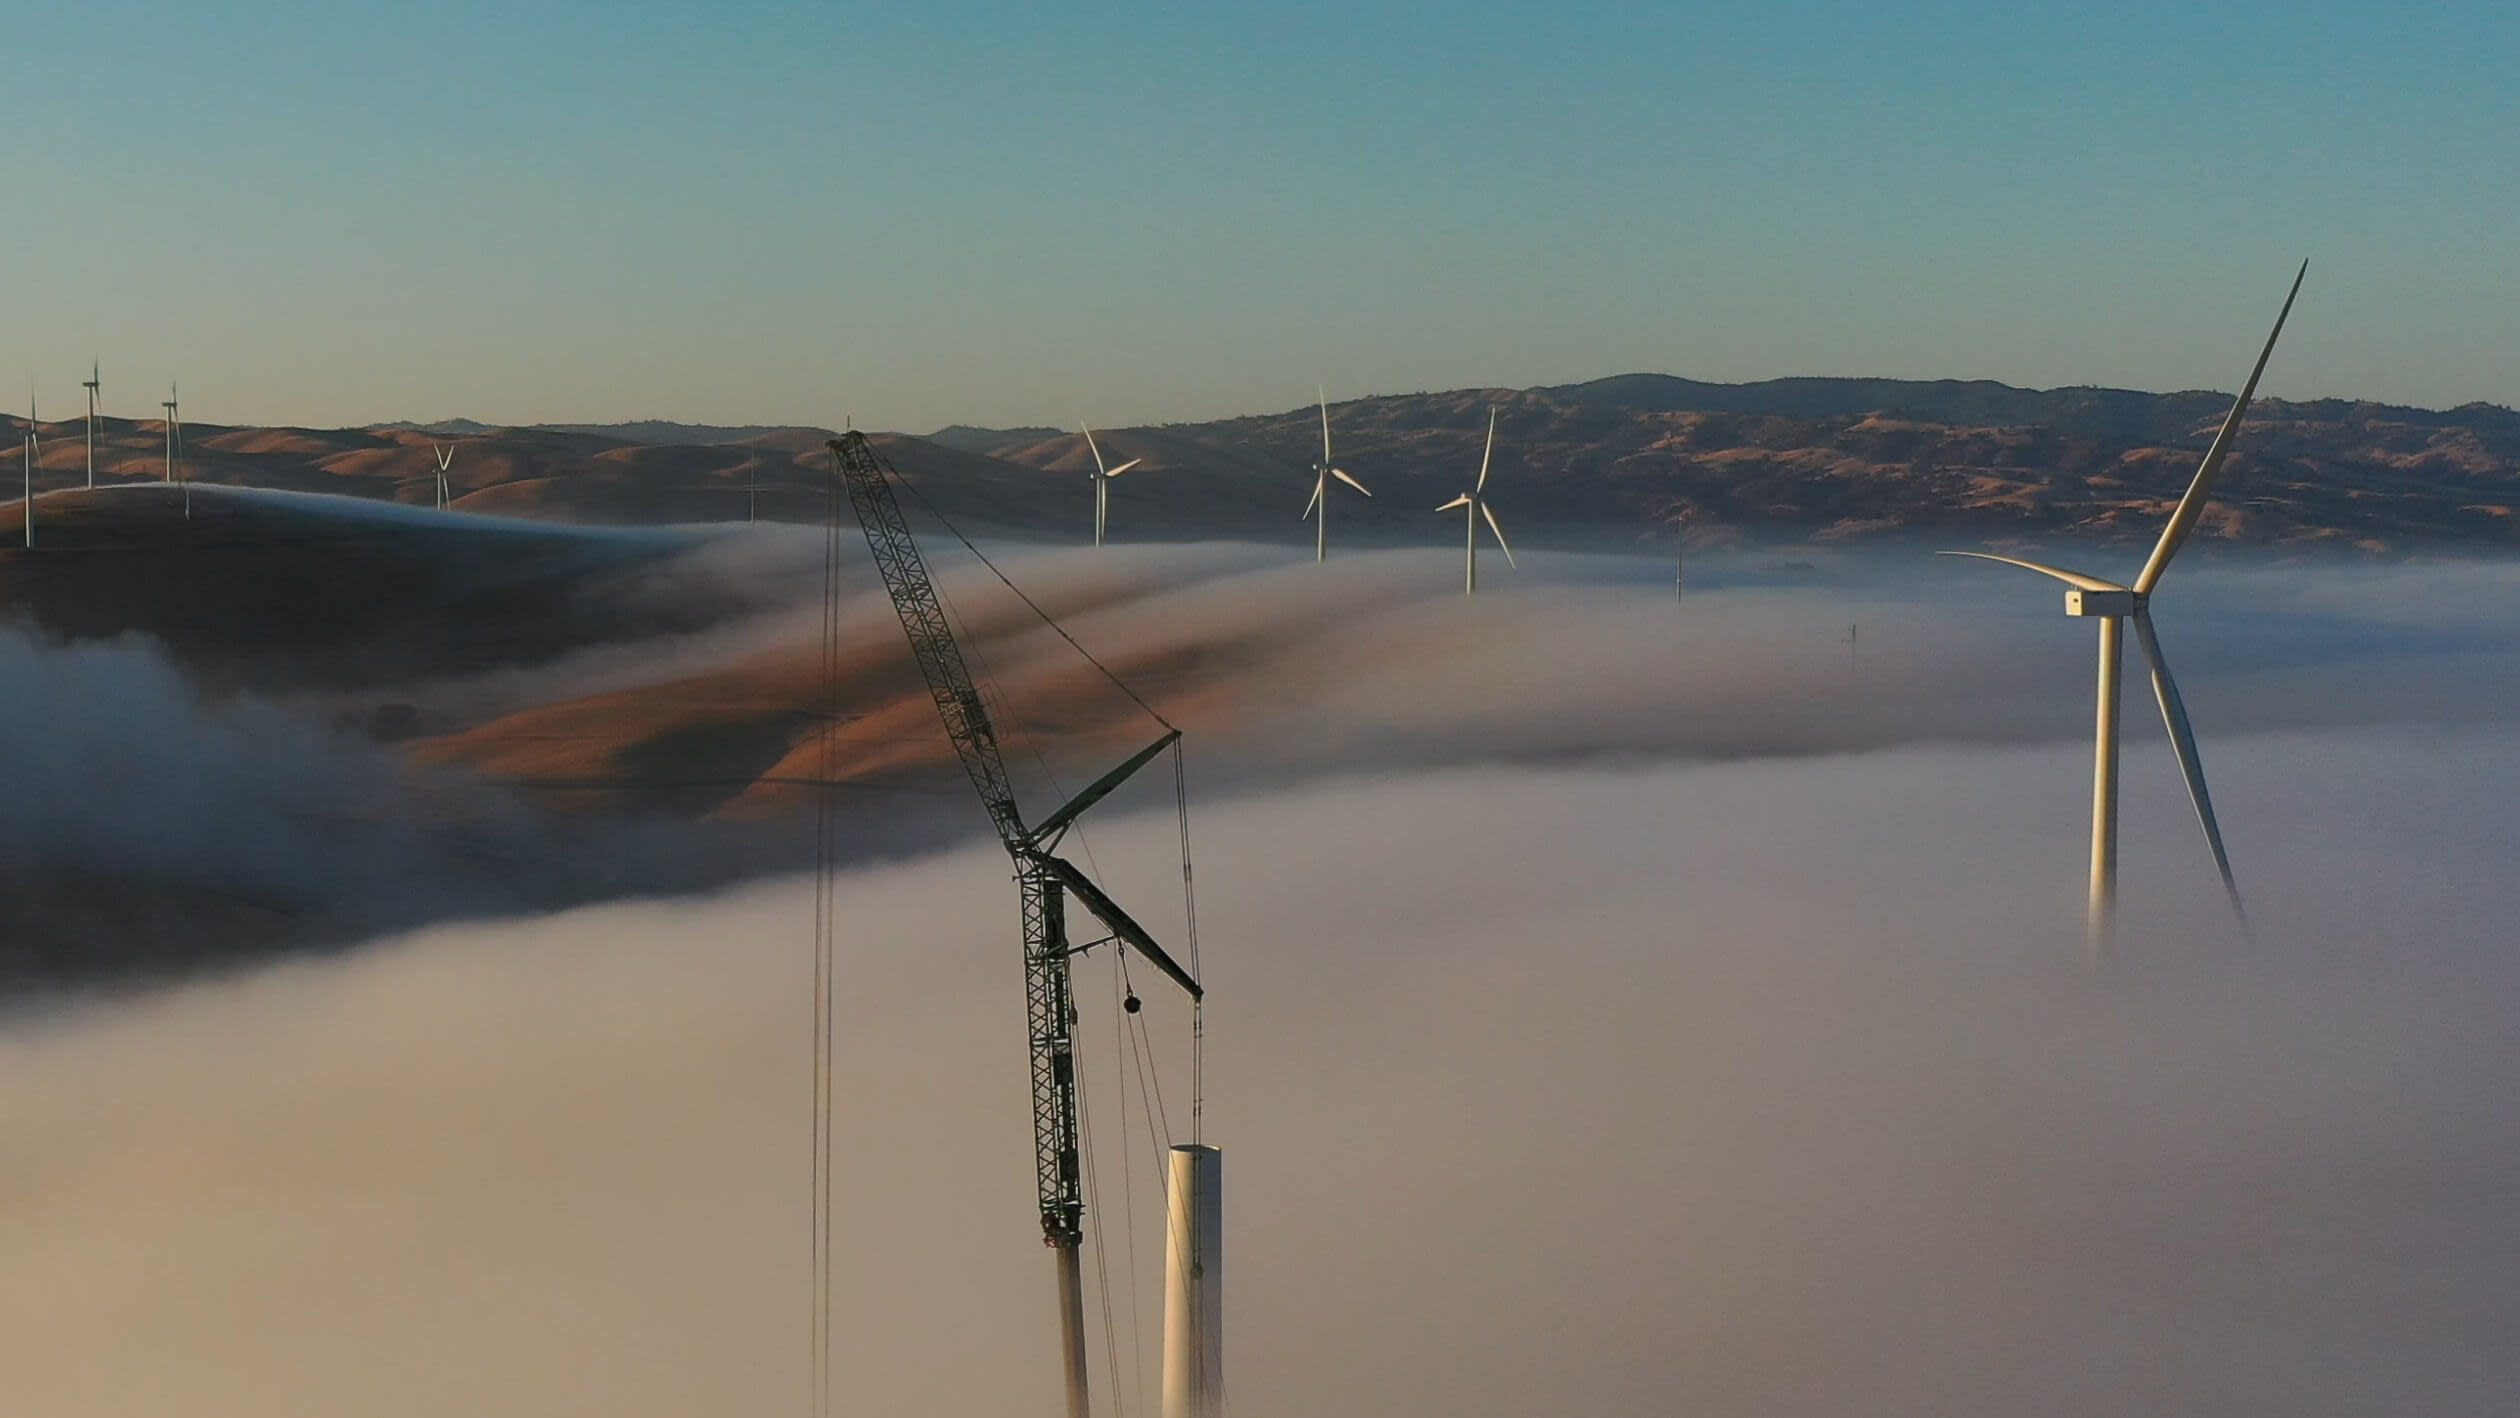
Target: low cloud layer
1756, 1088
150, 820
143, 823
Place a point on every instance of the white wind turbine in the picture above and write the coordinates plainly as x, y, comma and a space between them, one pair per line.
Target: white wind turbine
1475, 500
1102, 477
445, 460
1323, 472
2113, 605
92, 385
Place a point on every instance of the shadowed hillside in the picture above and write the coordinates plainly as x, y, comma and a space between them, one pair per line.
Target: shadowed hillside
287, 591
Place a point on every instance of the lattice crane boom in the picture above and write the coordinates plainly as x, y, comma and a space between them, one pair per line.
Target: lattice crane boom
913, 594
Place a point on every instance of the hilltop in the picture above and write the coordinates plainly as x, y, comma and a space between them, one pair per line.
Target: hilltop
1633, 459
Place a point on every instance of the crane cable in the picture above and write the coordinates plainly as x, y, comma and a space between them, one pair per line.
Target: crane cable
1190, 925
826, 912
1093, 1240
1128, 1175
1029, 603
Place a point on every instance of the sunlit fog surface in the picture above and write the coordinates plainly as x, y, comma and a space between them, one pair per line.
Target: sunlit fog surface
1615, 1006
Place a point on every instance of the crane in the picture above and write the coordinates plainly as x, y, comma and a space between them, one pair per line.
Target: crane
1044, 882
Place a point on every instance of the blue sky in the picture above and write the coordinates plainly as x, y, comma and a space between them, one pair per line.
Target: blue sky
1004, 214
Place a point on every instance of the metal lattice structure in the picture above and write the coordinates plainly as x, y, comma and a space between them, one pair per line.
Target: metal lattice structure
1043, 881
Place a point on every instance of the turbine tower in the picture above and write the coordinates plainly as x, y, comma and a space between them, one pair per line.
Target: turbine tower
175, 448
1102, 477
168, 404
1476, 501
92, 386
2113, 606
445, 460
34, 453
1323, 472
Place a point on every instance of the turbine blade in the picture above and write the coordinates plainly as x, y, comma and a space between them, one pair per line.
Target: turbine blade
1095, 448
1316, 497
1124, 467
1325, 423
1461, 501
1500, 535
1481, 484
2192, 503
1341, 475
2070, 578
2183, 743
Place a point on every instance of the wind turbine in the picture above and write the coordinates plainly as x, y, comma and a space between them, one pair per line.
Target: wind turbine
34, 452
1476, 501
1102, 477
1323, 472
175, 447
92, 386
2113, 605
445, 460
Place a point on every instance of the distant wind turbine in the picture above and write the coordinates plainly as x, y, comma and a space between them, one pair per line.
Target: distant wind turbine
1475, 500
175, 446
2113, 605
1323, 472
34, 452
445, 460
92, 386
1102, 477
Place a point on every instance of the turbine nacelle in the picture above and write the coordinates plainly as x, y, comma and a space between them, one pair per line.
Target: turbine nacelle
2109, 603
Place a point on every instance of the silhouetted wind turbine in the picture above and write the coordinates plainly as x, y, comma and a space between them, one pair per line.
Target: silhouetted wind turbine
1476, 501
2113, 605
175, 446
1102, 477
445, 460
34, 454
92, 385
1323, 472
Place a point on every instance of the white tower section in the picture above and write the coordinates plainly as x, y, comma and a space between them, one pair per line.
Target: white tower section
1194, 1285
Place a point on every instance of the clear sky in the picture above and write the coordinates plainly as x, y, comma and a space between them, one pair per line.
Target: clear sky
995, 213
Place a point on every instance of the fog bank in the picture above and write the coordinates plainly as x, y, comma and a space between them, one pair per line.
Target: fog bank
1760, 1088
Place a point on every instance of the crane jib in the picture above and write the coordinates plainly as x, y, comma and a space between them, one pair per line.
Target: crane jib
1120, 922
1101, 788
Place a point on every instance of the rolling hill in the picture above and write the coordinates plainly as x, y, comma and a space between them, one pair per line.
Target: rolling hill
1633, 459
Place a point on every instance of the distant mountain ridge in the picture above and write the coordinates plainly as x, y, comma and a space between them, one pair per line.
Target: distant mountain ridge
1636, 458
2092, 409
654, 432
